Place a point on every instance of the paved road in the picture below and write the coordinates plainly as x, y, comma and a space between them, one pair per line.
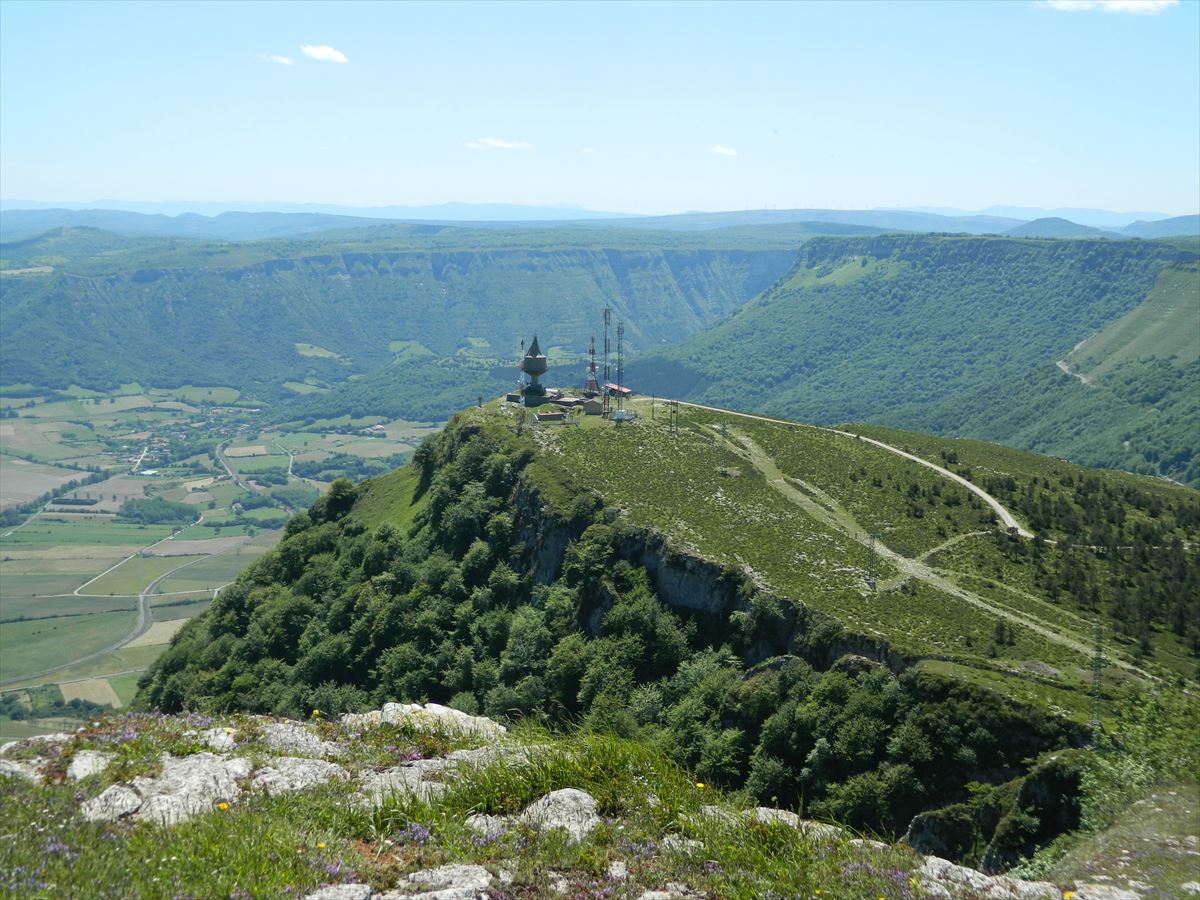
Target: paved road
145, 620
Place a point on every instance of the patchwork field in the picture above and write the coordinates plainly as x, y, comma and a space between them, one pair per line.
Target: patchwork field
108, 494
71, 573
22, 481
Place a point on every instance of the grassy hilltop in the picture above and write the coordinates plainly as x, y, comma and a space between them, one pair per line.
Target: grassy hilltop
614, 577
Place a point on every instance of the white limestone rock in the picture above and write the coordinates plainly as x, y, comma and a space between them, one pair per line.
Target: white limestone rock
87, 763
220, 739
188, 786
12, 768
617, 870
342, 892
711, 811
363, 721
295, 773
56, 738
766, 814
452, 882
116, 801
440, 719
677, 843
292, 737
570, 809
485, 824
1096, 891
954, 880
866, 844
411, 778
672, 890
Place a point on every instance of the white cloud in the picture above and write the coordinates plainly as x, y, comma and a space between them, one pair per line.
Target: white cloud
1138, 7
323, 53
590, 151
491, 143
282, 60
723, 151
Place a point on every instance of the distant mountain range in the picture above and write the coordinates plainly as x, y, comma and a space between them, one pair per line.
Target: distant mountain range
214, 222
442, 212
1097, 218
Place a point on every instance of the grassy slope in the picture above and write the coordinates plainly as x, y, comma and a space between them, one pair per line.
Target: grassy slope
1152, 842
1165, 325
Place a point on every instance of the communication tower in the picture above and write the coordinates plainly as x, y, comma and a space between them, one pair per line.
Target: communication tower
521, 368
1097, 672
620, 364
590, 387
872, 561
607, 378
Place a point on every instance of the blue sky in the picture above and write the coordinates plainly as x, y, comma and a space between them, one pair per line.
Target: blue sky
634, 107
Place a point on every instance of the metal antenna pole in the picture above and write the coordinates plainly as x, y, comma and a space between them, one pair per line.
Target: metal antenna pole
620, 364
607, 377
872, 562
1097, 673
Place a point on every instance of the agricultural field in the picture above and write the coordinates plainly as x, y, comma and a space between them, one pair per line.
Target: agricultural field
22, 481
73, 569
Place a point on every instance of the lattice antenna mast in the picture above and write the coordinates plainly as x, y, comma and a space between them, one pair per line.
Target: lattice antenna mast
607, 377
724, 450
589, 385
620, 364
872, 561
521, 369
1097, 673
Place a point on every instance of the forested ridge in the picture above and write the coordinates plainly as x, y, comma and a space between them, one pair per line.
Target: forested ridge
433, 583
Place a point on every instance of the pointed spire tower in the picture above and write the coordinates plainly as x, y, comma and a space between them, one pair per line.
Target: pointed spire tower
534, 365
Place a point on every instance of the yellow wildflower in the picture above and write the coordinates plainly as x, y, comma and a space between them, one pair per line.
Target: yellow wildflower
223, 806
320, 845
1067, 895
700, 784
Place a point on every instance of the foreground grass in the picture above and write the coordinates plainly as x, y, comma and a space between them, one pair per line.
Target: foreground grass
287, 845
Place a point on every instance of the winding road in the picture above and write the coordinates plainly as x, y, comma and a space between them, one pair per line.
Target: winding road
1008, 520
144, 621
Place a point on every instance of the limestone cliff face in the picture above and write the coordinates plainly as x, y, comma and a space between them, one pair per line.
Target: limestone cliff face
726, 597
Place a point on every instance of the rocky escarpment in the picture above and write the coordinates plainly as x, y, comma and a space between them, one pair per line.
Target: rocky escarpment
413, 795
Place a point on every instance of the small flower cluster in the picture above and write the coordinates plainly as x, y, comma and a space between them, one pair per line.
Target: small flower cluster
479, 841
413, 834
